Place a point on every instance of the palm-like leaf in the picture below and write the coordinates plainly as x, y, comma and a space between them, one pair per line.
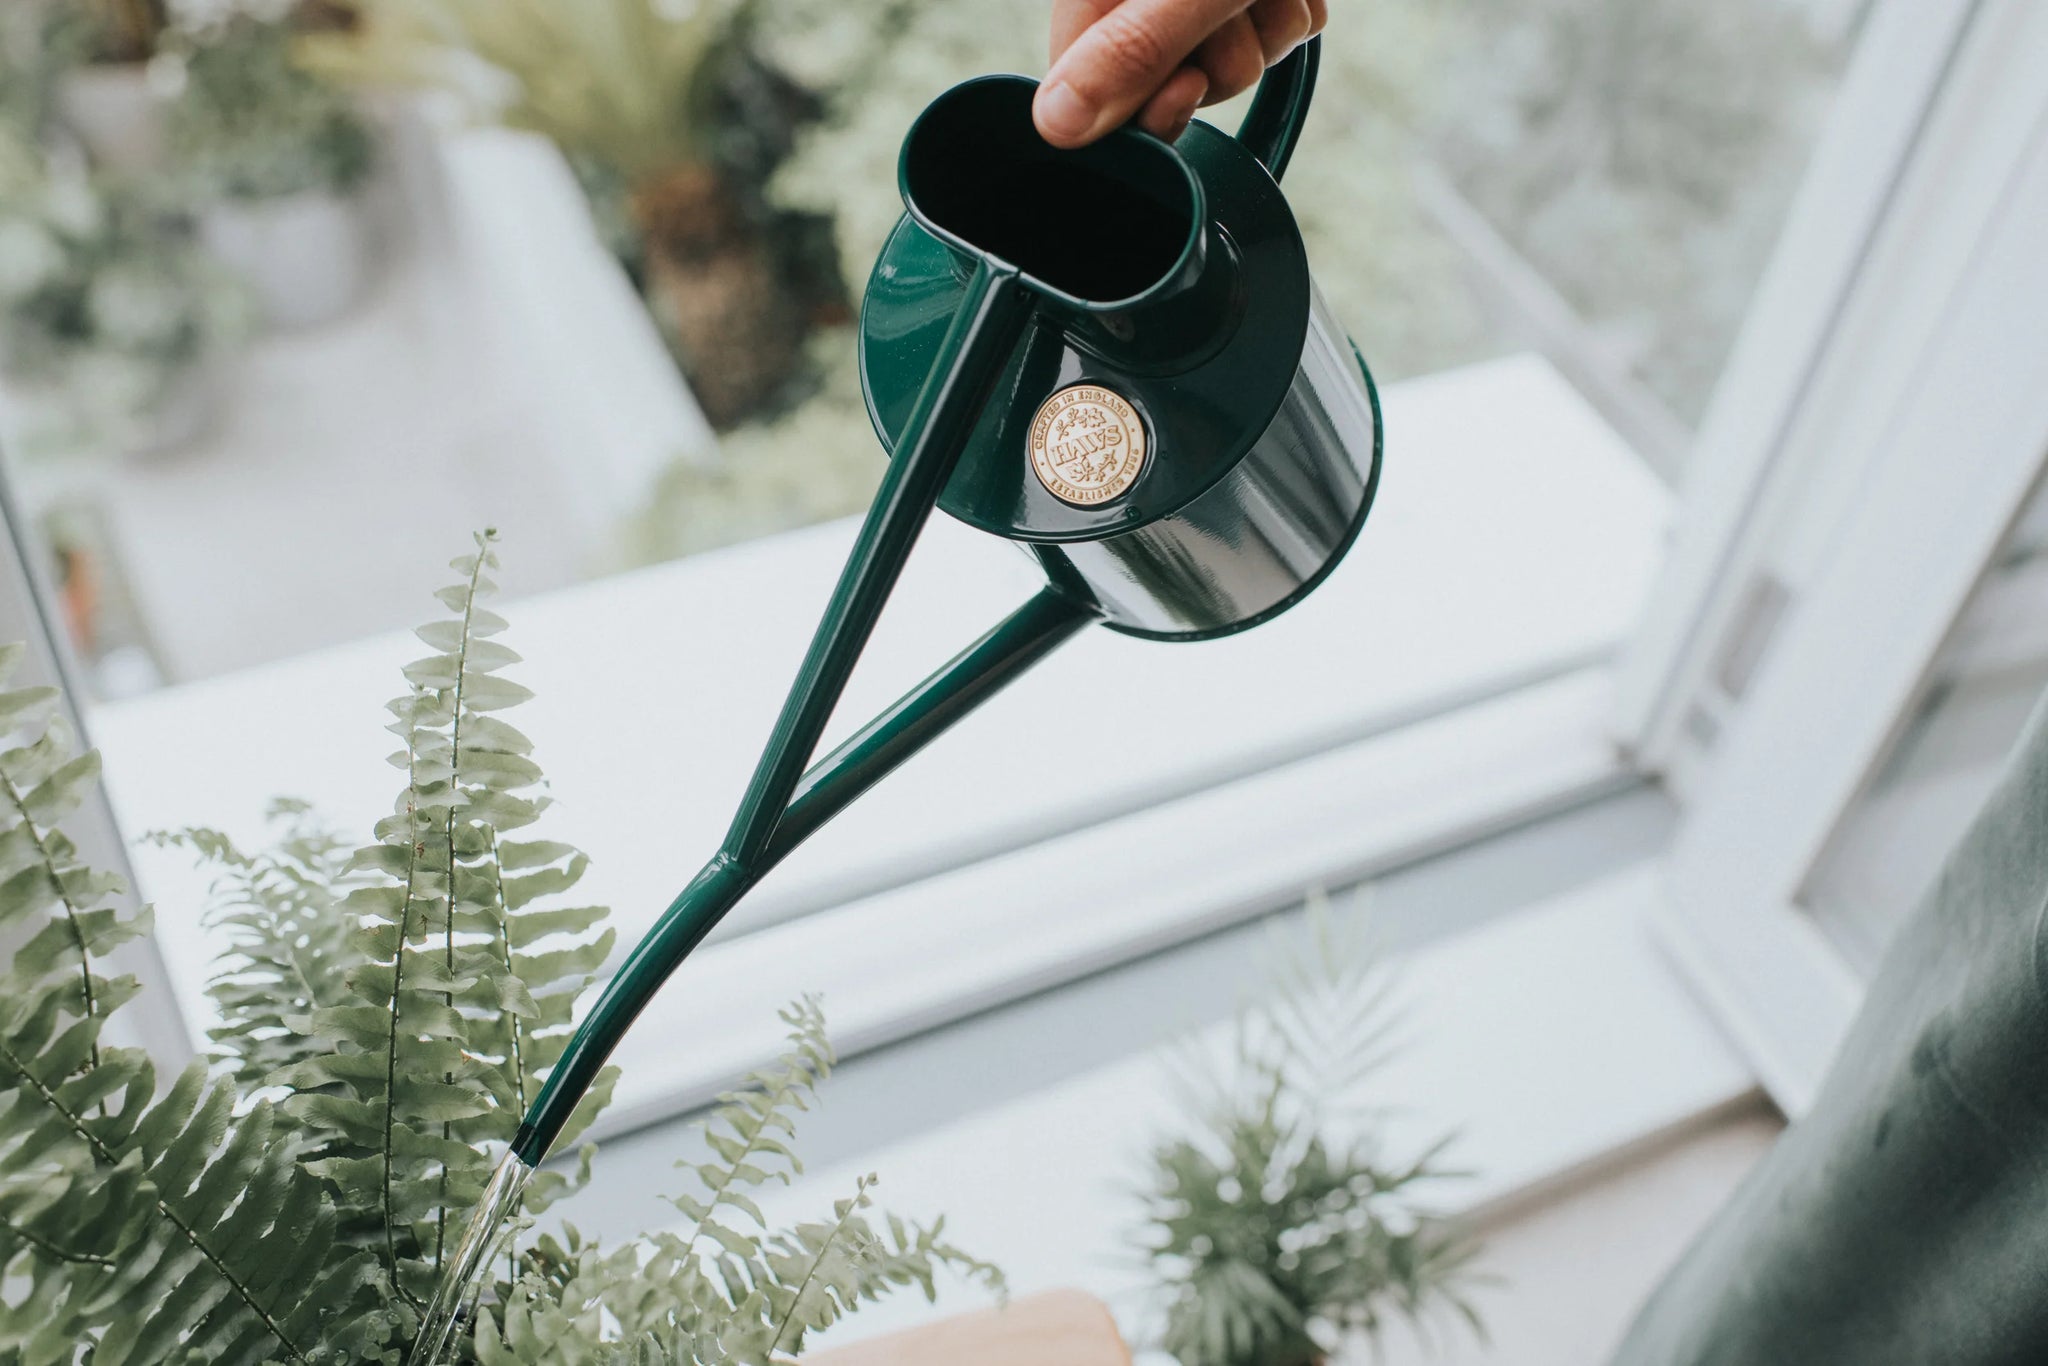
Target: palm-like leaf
1272, 1237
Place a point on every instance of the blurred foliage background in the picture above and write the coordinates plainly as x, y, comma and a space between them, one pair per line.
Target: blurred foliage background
1638, 155
1630, 160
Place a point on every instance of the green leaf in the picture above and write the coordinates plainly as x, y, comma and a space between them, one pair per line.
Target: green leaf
387, 1009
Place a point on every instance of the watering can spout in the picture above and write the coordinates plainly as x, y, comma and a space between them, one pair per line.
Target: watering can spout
783, 805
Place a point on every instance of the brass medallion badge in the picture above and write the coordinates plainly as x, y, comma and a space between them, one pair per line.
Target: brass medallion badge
1087, 445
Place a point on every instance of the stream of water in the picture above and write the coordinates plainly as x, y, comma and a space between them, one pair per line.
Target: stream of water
454, 1304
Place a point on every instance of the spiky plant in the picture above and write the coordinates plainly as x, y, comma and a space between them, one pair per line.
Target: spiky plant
1278, 1227
386, 1011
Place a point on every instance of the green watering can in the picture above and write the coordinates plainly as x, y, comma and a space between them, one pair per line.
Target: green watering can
1113, 357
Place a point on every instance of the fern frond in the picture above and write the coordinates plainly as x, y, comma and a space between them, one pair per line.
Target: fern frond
67, 912
751, 1132
213, 1244
467, 966
151, 1233
823, 1272
280, 912
726, 1290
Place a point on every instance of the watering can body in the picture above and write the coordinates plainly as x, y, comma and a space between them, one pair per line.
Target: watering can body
1113, 357
1181, 433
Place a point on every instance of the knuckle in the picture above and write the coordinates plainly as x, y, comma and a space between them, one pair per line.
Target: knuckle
1235, 67
1133, 50
1282, 25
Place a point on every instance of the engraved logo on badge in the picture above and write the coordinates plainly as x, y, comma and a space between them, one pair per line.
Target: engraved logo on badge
1088, 445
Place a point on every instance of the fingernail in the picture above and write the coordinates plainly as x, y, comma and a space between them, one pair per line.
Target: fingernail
1061, 113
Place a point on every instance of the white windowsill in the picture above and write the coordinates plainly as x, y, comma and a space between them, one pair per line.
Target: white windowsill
992, 932
1513, 540
1551, 1042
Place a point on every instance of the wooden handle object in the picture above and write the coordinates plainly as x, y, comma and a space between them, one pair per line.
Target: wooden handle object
1060, 1328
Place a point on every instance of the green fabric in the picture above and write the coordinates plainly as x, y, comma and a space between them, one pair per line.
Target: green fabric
1905, 1218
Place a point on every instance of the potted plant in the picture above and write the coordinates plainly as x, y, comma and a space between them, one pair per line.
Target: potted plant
384, 1013
114, 325
1277, 1226
34, 56
671, 110
113, 98
278, 158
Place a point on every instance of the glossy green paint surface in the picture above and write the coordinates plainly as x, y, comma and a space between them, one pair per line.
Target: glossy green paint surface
782, 804
1190, 296
1272, 126
1206, 356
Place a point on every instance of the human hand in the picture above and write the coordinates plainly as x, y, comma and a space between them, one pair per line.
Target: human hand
1160, 60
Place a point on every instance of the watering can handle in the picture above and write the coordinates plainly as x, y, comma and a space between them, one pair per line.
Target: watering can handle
1280, 108
787, 801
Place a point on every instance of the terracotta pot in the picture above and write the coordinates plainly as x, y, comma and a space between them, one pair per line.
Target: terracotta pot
1060, 1328
715, 284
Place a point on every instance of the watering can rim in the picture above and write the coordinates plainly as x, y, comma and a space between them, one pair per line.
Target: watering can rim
1192, 251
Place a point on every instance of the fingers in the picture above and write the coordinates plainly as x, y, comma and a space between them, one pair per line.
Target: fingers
1160, 60
1284, 25
1233, 59
1121, 60
1072, 18
1167, 113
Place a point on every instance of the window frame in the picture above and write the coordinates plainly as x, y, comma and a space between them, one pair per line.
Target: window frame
1912, 455
1797, 327
155, 1020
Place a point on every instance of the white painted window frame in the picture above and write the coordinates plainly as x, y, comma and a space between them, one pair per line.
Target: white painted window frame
155, 1020
1789, 339
1902, 465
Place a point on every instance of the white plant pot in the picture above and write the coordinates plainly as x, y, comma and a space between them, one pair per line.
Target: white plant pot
114, 414
117, 115
187, 409
307, 257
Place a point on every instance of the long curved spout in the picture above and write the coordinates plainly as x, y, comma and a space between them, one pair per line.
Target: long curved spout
785, 803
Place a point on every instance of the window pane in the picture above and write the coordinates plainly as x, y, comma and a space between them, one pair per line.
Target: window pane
288, 313
1989, 677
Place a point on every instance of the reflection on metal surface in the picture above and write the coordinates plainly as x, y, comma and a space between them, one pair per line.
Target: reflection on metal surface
1087, 445
1269, 528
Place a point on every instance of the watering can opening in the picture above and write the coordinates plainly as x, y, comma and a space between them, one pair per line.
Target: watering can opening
1110, 225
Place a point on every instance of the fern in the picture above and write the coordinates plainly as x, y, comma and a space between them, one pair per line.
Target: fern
730, 1289
466, 970
157, 1232
386, 1013
280, 909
